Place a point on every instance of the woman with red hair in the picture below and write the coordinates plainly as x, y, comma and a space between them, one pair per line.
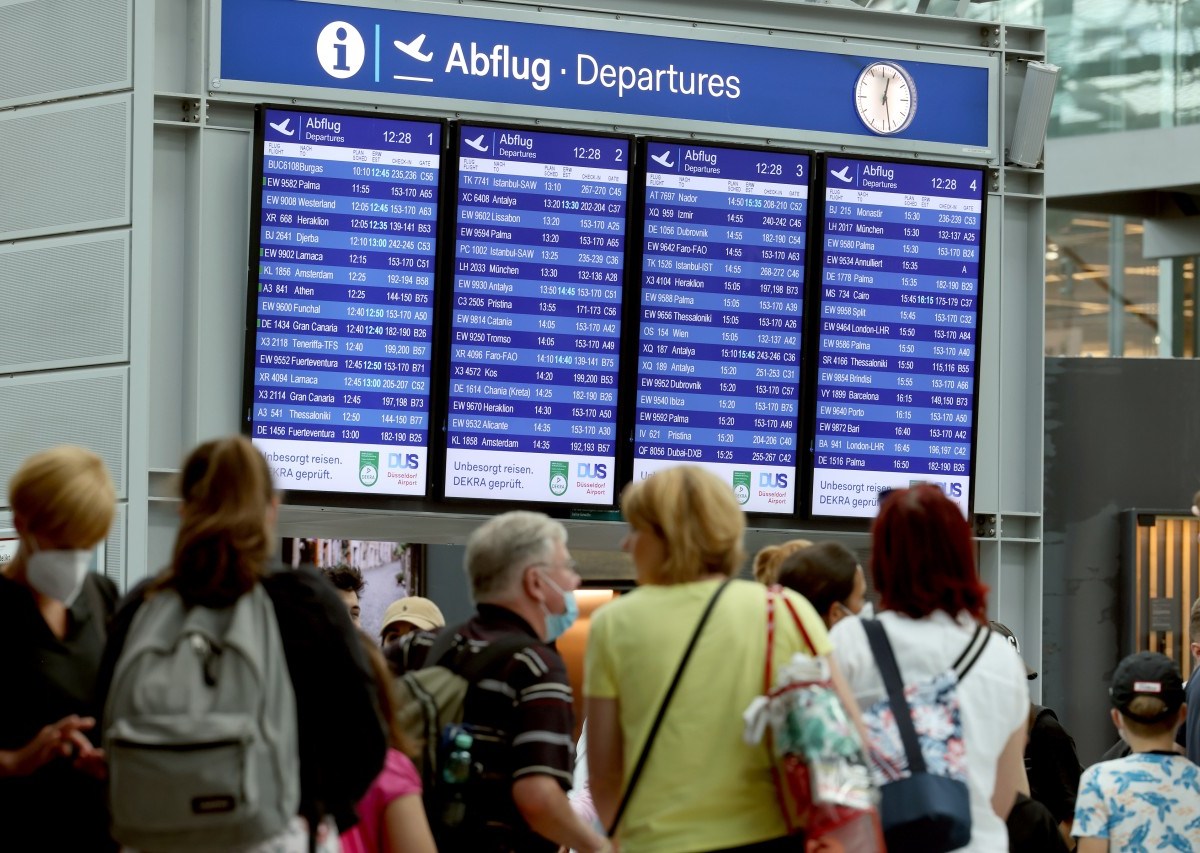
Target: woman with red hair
923, 567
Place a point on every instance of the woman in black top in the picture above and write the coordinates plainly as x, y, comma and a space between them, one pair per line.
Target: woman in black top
53, 614
224, 547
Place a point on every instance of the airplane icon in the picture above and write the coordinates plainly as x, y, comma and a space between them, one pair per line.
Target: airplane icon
413, 48
842, 175
282, 127
477, 143
663, 159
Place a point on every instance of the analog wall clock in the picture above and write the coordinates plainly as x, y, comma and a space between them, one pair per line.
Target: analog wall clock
885, 98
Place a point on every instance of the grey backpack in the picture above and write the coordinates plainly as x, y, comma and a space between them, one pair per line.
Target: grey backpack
201, 728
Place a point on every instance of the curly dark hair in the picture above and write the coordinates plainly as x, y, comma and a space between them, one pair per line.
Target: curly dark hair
345, 578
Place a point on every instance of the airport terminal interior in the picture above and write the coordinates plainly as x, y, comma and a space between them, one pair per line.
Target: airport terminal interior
444, 259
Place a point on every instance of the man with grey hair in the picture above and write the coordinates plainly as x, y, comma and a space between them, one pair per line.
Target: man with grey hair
519, 705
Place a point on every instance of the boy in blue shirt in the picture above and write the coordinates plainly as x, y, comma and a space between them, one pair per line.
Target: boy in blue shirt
1149, 800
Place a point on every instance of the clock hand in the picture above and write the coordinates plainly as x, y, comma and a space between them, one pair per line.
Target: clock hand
885, 90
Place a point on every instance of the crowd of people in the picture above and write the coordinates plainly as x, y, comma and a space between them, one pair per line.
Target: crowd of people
228, 703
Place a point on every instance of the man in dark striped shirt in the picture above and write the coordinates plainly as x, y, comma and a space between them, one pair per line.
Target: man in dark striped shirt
520, 711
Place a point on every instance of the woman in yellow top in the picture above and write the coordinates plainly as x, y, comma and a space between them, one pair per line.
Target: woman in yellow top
703, 788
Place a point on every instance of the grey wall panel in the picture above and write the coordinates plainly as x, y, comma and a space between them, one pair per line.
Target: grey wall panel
1120, 434
66, 167
163, 526
446, 582
66, 302
59, 48
169, 316
85, 407
219, 321
114, 548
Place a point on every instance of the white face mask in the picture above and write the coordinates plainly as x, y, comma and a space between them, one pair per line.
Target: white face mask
58, 574
867, 612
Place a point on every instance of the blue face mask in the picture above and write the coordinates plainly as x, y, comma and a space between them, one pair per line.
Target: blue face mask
557, 624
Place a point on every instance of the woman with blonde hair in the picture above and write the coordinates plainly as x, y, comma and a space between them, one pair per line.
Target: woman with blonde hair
770, 558
702, 787
224, 550
53, 618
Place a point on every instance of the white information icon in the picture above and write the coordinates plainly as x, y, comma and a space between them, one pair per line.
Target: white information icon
340, 50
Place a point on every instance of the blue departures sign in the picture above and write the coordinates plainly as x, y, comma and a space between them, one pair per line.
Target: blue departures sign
536, 323
718, 364
344, 300
899, 312
511, 62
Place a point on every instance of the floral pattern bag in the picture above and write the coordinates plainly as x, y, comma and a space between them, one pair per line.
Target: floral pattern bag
819, 765
918, 756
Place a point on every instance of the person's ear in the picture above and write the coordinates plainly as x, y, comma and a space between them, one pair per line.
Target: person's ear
1116, 717
532, 584
837, 612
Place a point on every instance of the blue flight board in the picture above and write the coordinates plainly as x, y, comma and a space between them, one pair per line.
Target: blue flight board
719, 338
535, 328
899, 319
342, 299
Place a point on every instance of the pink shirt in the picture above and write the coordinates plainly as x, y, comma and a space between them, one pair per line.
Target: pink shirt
399, 778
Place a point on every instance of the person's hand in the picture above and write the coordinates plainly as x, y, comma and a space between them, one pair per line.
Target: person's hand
53, 741
90, 760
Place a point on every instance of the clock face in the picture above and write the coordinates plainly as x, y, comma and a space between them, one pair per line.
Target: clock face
885, 98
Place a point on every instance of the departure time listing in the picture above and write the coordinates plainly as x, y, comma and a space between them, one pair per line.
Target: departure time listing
536, 322
719, 338
899, 311
345, 265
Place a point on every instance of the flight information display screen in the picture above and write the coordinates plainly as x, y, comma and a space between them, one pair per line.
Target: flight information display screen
899, 316
341, 288
535, 325
719, 327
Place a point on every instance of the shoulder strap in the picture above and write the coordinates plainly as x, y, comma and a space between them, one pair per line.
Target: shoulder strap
885, 659
662, 709
443, 644
449, 649
799, 622
477, 664
967, 660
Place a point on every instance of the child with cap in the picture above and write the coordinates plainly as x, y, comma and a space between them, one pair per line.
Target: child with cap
1149, 800
409, 614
